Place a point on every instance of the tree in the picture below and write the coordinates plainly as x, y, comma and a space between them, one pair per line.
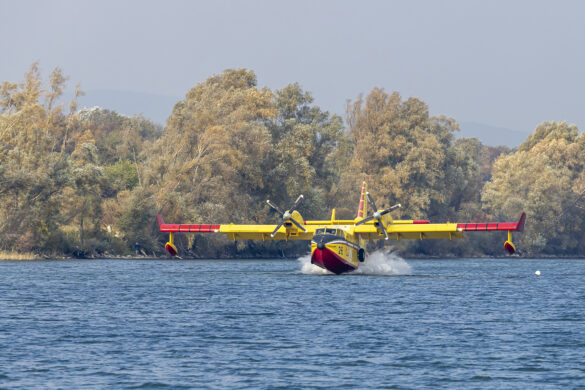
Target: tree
83, 206
32, 170
208, 161
399, 150
116, 136
305, 148
230, 145
550, 130
544, 179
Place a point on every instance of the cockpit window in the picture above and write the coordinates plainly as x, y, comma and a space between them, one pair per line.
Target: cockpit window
336, 232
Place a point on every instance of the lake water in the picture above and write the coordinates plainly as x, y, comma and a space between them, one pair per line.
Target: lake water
157, 324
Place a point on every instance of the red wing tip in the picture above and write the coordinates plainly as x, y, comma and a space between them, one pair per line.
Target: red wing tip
521, 222
160, 219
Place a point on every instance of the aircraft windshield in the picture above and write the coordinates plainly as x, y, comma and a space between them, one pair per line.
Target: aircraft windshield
335, 232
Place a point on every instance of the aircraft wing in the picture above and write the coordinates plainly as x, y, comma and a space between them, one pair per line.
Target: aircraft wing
263, 232
239, 232
420, 230
411, 231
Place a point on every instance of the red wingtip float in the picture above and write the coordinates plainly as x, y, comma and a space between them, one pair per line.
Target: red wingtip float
171, 249
339, 245
169, 246
519, 227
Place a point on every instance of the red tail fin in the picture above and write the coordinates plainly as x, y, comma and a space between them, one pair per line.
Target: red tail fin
363, 206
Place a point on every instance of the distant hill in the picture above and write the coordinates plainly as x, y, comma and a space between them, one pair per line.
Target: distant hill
491, 135
157, 108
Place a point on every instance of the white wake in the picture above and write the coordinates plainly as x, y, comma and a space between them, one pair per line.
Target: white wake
381, 262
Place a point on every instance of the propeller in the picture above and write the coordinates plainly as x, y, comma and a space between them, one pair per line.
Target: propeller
287, 215
377, 214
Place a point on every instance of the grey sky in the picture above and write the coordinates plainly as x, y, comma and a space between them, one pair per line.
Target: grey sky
510, 64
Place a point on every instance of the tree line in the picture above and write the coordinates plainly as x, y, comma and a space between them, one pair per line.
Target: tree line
89, 182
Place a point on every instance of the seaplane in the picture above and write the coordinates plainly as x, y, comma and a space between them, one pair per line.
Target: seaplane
339, 245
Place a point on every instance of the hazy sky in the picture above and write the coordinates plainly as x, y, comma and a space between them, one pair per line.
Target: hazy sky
508, 63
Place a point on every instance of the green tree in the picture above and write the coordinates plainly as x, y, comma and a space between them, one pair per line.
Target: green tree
550, 130
230, 145
208, 161
400, 151
120, 176
83, 206
544, 179
116, 136
136, 220
33, 172
305, 146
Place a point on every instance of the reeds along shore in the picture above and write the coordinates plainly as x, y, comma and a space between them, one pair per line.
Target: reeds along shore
11, 255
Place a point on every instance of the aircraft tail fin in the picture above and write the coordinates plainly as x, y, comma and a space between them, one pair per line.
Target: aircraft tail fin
521, 222
363, 206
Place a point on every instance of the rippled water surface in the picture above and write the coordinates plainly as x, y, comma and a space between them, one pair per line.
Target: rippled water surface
274, 324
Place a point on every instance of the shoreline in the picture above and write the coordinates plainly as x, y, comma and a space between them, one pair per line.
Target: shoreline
14, 256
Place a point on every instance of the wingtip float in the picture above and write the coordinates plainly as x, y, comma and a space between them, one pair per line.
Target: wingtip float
339, 245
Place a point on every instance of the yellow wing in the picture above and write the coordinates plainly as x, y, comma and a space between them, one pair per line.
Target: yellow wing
410, 230
420, 230
264, 232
